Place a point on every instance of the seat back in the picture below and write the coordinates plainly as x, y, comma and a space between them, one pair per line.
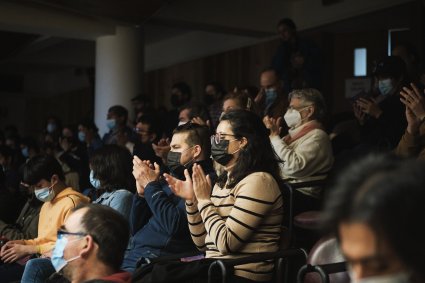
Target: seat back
324, 252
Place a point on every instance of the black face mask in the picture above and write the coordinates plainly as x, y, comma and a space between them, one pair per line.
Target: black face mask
219, 152
176, 168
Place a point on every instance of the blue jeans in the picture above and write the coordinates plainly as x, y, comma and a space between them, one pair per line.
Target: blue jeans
37, 270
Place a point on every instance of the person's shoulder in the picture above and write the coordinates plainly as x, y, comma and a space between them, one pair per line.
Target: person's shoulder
257, 178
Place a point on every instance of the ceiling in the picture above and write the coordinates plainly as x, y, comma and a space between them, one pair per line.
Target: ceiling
46, 32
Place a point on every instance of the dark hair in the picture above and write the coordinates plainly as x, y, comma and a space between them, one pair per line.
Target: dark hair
89, 125
218, 87
392, 67
112, 166
109, 229
287, 22
152, 122
386, 193
41, 167
197, 110
258, 155
242, 99
184, 88
119, 110
197, 135
6, 151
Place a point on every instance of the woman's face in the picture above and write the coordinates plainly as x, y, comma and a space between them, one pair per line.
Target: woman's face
224, 129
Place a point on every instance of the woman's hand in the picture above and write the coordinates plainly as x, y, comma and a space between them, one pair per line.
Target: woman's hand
183, 189
201, 183
144, 173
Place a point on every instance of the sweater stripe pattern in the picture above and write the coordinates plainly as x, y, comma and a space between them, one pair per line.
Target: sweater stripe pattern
240, 221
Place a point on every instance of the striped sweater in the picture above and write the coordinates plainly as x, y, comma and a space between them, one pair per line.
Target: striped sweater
240, 221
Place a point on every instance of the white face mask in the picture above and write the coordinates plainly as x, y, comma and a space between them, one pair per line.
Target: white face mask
292, 118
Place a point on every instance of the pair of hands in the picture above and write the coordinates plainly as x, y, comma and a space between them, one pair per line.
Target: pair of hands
15, 250
144, 172
273, 125
195, 187
364, 106
415, 107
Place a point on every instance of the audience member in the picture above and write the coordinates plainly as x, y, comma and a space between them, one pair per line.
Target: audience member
88, 134
243, 213
45, 175
111, 177
29, 147
382, 118
271, 99
410, 57
148, 131
91, 245
142, 106
214, 93
306, 151
195, 113
116, 120
26, 225
374, 211
296, 56
158, 218
238, 101
181, 94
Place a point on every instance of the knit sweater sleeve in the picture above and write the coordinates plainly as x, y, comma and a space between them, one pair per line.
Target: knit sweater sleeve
304, 158
196, 225
254, 199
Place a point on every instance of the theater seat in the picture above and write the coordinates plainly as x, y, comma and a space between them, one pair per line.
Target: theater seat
325, 263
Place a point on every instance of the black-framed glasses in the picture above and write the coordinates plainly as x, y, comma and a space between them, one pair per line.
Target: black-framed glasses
62, 233
218, 137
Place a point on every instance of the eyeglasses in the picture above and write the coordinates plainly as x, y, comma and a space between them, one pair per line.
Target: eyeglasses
62, 233
218, 137
299, 108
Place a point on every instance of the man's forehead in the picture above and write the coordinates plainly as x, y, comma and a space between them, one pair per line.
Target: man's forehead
179, 138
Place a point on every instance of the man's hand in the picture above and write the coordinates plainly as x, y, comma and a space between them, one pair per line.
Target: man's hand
183, 189
144, 172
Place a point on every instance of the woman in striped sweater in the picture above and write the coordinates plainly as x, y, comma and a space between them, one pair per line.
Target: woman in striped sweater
242, 214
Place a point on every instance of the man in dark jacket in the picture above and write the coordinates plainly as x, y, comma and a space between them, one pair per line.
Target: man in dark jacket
158, 220
26, 226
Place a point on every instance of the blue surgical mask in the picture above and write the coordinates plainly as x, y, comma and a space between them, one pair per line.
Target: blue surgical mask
25, 152
93, 181
81, 136
51, 127
385, 86
58, 260
111, 123
45, 194
271, 95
